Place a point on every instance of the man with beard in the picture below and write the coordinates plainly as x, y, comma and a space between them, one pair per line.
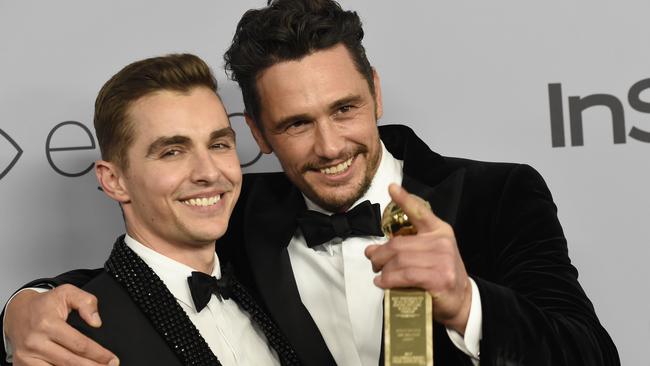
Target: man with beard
492, 253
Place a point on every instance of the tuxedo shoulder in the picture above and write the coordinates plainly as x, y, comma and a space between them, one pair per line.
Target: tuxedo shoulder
99, 283
114, 303
110, 295
125, 330
489, 169
497, 177
275, 182
269, 177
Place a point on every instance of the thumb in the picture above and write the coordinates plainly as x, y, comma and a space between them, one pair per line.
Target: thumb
416, 209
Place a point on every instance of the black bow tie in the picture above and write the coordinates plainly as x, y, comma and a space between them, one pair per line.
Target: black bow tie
202, 286
363, 220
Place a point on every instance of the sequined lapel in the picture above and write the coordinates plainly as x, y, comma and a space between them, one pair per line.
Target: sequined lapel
273, 335
158, 304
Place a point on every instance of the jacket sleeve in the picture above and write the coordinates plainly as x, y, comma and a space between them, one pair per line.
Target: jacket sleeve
534, 310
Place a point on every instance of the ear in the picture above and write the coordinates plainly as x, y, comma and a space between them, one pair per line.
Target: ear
379, 108
111, 179
258, 135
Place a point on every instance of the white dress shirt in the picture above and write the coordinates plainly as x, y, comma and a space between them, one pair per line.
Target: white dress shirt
336, 286
232, 336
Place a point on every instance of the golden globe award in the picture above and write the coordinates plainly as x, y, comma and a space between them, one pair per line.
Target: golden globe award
408, 313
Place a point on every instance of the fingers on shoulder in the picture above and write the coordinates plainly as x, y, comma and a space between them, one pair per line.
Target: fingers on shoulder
76, 296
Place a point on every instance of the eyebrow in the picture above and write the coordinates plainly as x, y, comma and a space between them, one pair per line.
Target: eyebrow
348, 99
223, 132
165, 141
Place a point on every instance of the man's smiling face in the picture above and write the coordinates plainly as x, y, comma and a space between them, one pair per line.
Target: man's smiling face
320, 118
183, 176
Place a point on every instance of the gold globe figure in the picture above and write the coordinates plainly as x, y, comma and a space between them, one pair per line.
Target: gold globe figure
394, 222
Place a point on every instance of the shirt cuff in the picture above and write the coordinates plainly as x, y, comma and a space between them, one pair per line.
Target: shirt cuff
469, 343
7, 344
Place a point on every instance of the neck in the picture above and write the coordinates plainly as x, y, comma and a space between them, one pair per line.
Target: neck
199, 256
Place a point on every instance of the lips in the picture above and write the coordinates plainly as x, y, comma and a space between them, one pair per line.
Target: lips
338, 168
203, 201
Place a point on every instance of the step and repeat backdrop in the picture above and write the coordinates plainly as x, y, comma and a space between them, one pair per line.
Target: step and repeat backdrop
561, 85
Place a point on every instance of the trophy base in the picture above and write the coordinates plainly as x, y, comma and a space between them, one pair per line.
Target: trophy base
408, 327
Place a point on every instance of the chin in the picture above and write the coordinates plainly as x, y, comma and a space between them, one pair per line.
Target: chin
201, 237
199, 242
334, 201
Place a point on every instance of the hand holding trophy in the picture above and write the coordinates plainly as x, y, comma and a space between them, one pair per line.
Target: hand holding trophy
420, 259
408, 312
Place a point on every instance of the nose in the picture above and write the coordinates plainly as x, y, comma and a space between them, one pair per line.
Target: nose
205, 167
328, 142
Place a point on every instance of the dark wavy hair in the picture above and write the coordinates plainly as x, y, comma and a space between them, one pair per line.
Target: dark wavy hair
290, 30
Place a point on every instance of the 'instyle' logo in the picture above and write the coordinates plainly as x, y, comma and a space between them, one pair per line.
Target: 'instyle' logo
16, 156
579, 104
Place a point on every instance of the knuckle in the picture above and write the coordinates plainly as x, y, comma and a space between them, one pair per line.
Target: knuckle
42, 324
445, 226
410, 275
80, 346
65, 288
31, 343
92, 300
448, 277
68, 360
447, 242
401, 260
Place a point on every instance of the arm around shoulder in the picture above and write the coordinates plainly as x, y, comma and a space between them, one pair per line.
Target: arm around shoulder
35, 325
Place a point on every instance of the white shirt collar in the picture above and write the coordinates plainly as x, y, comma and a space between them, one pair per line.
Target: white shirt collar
389, 171
173, 274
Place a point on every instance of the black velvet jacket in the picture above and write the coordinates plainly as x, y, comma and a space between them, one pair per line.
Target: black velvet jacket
512, 244
534, 310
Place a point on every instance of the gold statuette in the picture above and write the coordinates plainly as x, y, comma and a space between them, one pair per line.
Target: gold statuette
408, 313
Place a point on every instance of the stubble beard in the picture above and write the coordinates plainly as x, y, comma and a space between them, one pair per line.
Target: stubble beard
336, 203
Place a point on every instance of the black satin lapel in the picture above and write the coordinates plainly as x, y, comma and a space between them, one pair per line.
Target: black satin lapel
444, 198
158, 305
270, 222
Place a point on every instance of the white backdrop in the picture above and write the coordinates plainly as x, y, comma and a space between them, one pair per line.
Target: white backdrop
472, 78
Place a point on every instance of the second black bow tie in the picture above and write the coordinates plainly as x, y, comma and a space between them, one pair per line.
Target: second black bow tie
203, 286
363, 220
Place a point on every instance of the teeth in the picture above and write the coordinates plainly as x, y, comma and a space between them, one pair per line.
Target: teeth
203, 201
337, 169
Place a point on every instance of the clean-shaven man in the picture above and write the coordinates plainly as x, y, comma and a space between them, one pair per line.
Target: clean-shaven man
169, 160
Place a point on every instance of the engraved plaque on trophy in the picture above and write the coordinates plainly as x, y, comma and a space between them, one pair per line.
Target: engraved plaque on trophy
408, 312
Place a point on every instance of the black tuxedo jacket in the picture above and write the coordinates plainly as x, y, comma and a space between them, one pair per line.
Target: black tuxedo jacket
534, 310
143, 323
